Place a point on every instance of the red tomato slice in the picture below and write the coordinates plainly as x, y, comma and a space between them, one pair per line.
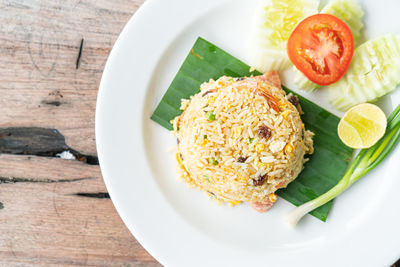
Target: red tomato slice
321, 47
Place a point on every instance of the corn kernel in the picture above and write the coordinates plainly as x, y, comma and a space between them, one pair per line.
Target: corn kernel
288, 148
234, 202
211, 100
286, 113
272, 197
302, 126
262, 165
260, 148
259, 164
282, 105
238, 131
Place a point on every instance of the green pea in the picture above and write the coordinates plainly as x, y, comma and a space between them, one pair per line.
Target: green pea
213, 161
210, 115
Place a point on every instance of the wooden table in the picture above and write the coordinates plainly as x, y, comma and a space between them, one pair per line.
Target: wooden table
54, 211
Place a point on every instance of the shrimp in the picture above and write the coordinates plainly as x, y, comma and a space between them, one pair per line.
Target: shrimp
261, 206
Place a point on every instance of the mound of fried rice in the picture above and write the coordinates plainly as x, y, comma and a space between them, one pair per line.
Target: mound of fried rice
241, 139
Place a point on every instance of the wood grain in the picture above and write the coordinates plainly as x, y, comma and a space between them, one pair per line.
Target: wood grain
39, 45
56, 212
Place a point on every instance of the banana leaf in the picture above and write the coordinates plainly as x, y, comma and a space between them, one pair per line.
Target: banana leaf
324, 168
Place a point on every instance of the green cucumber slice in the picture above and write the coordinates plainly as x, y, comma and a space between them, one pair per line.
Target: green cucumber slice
303, 82
274, 21
373, 72
350, 12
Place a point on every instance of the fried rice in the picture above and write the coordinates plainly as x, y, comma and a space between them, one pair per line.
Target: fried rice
241, 139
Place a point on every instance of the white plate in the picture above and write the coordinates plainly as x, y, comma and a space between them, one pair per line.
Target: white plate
180, 226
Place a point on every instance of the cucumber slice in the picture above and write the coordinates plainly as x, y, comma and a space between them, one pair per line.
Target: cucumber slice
346, 97
373, 72
303, 82
274, 21
350, 12
269, 59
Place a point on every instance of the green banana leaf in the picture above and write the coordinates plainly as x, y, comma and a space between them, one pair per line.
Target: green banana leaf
324, 168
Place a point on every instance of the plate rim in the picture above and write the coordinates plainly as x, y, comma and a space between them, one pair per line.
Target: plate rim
99, 124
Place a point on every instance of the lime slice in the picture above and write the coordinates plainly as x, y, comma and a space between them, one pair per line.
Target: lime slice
362, 126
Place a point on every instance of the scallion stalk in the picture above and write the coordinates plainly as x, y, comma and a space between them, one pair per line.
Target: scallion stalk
364, 162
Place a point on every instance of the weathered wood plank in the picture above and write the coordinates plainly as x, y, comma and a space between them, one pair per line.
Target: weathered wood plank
66, 230
36, 169
58, 216
31, 140
40, 142
56, 212
40, 85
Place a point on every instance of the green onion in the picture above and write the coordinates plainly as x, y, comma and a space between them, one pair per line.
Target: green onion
213, 161
205, 136
210, 115
206, 177
364, 162
251, 139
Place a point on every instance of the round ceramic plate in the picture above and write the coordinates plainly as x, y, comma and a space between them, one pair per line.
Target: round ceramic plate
180, 226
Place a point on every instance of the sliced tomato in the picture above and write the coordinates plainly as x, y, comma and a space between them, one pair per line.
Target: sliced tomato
321, 47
